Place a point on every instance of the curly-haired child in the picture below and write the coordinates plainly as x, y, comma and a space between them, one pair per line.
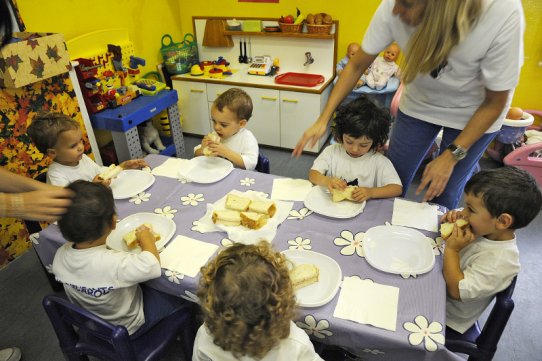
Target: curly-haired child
361, 128
248, 304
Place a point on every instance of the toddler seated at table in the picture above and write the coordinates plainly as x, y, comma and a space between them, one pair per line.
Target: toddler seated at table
483, 258
59, 137
102, 280
231, 139
248, 305
351, 50
360, 128
382, 69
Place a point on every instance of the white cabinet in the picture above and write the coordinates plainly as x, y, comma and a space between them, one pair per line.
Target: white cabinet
193, 106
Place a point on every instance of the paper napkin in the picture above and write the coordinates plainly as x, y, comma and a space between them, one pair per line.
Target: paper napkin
170, 168
415, 215
289, 189
366, 302
186, 255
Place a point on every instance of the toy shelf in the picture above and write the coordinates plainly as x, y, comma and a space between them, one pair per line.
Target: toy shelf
279, 34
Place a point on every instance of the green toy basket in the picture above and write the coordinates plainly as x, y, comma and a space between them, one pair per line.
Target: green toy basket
179, 57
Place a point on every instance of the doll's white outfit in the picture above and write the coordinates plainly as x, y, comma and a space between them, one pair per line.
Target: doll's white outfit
371, 170
296, 346
380, 72
105, 281
62, 175
244, 143
488, 267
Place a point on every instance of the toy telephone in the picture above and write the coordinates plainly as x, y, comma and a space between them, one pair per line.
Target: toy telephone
261, 65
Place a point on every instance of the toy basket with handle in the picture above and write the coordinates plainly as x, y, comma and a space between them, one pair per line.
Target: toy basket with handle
319, 29
179, 57
290, 28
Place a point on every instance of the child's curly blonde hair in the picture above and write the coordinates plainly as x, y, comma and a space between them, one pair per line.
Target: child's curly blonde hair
247, 299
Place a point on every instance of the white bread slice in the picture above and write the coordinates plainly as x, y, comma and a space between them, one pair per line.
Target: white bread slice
447, 228
130, 237
226, 217
111, 172
237, 203
342, 194
214, 138
253, 220
266, 207
303, 275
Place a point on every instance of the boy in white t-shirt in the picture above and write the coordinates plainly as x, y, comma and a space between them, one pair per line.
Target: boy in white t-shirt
59, 137
360, 129
482, 259
230, 113
106, 281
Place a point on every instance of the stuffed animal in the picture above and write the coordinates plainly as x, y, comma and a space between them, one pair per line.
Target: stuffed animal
148, 135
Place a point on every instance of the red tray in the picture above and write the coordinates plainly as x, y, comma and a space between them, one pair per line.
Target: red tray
299, 79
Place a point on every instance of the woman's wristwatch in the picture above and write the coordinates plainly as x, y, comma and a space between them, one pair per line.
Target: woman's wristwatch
458, 152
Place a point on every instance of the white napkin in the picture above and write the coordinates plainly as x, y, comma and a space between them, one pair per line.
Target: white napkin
240, 233
186, 255
366, 302
415, 215
289, 189
170, 168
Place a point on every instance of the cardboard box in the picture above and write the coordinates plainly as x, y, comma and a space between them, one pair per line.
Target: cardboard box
34, 57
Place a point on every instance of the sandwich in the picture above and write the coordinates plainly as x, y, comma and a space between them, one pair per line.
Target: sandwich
342, 194
447, 228
111, 172
226, 217
253, 220
266, 207
237, 203
303, 275
213, 137
130, 237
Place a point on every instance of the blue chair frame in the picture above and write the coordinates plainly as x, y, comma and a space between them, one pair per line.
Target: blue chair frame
263, 165
482, 345
81, 333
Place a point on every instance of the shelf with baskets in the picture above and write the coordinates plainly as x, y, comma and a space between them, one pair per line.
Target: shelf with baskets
282, 34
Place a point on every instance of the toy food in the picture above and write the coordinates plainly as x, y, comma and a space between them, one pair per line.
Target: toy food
227, 217
253, 220
303, 275
447, 228
214, 138
514, 113
318, 19
265, 207
327, 19
310, 19
111, 172
237, 203
342, 194
130, 237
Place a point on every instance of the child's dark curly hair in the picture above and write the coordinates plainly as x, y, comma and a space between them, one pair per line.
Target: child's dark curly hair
247, 299
362, 117
46, 128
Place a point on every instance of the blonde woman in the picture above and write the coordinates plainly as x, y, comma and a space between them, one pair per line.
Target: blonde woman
462, 62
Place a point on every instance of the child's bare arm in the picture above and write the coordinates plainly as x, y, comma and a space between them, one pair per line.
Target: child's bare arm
451, 268
317, 178
146, 240
134, 164
361, 194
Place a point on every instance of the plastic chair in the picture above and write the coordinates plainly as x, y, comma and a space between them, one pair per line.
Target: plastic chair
81, 333
482, 345
263, 165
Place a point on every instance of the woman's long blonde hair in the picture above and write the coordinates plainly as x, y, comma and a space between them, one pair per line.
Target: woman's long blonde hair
444, 24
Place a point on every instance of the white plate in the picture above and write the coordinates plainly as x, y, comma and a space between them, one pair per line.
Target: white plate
206, 169
397, 249
319, 200
329, 280
165, 227
130, 182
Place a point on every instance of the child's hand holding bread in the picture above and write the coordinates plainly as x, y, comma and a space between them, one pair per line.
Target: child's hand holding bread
455, 230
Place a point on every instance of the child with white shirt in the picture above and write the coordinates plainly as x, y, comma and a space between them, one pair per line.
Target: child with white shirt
230, 113
248, 304
360, 128
482, 259
59, 137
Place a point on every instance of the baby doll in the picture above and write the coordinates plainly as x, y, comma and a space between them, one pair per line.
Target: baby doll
351, 50
382, 69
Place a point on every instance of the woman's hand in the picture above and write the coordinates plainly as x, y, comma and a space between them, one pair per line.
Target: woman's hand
42, 205
436, 175
310, 136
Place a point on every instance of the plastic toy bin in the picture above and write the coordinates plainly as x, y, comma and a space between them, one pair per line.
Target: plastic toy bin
513, 130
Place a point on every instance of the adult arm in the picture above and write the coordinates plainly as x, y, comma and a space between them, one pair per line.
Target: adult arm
437, 173
348, 79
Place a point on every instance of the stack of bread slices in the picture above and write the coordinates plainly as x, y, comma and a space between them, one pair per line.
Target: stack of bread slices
243, 211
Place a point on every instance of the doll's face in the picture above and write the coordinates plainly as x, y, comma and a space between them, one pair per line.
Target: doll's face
410, 11
391, 53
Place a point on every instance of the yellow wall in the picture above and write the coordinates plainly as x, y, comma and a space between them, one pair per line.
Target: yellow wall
149, 20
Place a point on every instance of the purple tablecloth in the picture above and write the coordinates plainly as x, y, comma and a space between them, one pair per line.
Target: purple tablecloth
421, 298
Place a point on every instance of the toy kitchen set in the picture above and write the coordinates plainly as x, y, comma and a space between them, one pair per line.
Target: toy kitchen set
288, 74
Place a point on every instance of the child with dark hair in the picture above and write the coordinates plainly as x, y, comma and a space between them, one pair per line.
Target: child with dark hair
231, 139
248, 304
102, 280
482, 259
59, 137
360, 128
